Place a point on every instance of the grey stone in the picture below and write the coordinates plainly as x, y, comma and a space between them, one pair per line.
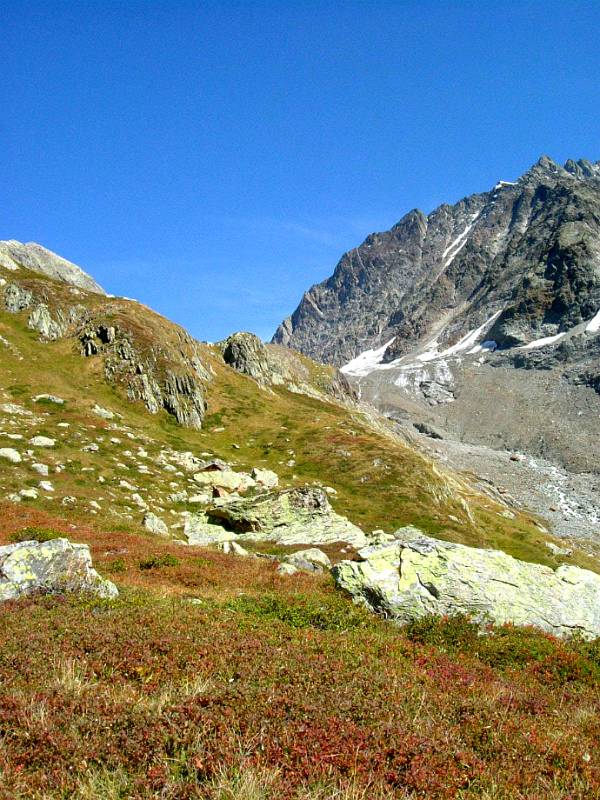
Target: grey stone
51, 567
155, 524
33, 256
310, 560
418, 576
10, 454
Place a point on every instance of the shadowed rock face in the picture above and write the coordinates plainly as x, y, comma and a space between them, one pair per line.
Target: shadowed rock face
33, 256
418, 576
528, 251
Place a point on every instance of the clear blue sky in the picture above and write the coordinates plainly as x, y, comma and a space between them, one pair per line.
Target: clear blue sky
214, 159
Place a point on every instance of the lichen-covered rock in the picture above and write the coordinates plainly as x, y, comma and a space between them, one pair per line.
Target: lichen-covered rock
51, 567
418, 576
293, 516
199, 531
226, 479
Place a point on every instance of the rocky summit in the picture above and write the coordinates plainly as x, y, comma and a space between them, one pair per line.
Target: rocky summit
478, 326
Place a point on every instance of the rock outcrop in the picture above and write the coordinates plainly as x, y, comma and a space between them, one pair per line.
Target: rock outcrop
417, 576
52, 567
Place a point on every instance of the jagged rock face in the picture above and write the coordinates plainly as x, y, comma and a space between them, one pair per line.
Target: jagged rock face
50, 567
482, 319
418, 576
33, 256
275, 366
155, 362
528, 251
149, 373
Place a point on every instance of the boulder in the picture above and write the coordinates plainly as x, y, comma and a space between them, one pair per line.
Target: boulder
155, 524
293, 516
417, 576
247, 354
51, 567
310, 560
198, 530
265, 477
225, 479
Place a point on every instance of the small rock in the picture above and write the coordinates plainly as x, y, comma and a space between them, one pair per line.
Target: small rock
558, 551
139, 500
46, 486
42, 441
41, 469
49, 398
310, 560
104, 413
155, 524
10, 454
265, 477
29, 494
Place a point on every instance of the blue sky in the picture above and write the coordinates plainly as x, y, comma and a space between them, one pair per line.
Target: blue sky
214, 159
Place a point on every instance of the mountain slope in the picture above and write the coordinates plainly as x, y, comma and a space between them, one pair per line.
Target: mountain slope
481, 322
301, 421
526, 251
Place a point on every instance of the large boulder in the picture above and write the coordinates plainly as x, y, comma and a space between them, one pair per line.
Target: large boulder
51, 567
225, 479
247, 354
198, 530
290, 517
417, 576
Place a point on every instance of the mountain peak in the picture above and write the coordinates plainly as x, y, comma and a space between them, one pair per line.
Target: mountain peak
33, 256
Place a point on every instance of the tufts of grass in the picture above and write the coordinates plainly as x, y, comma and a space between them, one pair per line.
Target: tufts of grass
155, 562
303, 611
33, 533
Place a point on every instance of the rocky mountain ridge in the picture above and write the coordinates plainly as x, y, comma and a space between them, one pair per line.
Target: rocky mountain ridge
479, 324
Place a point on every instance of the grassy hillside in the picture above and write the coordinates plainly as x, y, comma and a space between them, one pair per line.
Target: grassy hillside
380, 481
212, 676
